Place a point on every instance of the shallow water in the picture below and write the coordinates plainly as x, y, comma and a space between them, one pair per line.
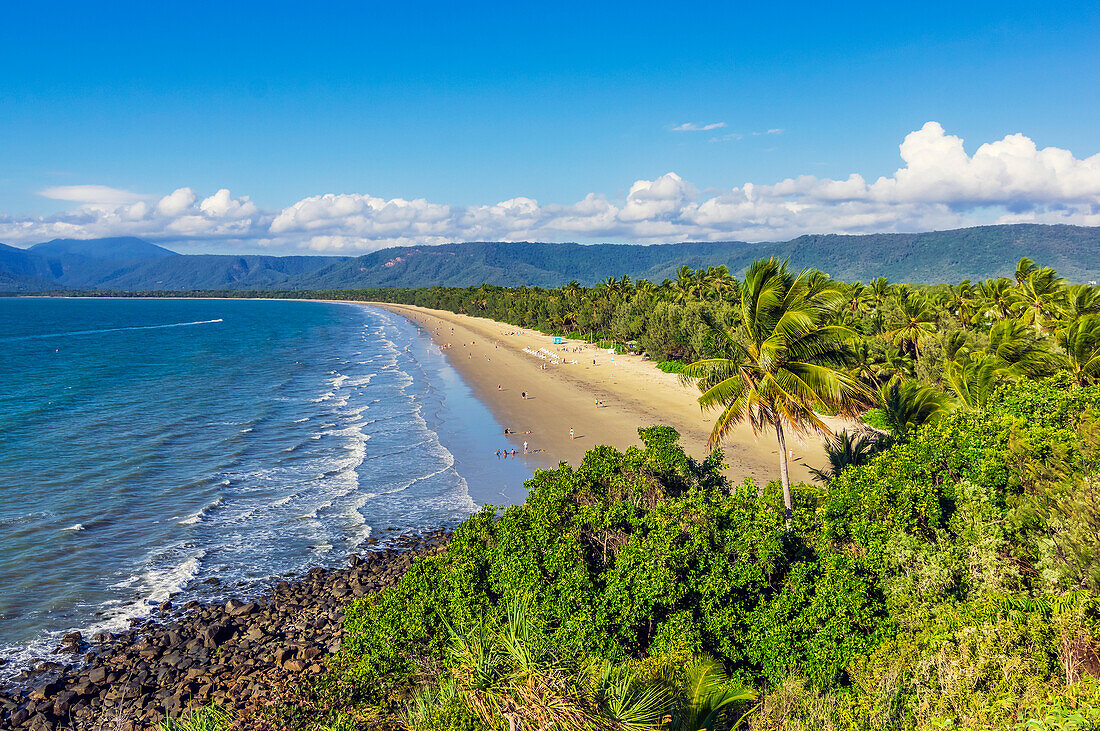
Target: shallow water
148, 445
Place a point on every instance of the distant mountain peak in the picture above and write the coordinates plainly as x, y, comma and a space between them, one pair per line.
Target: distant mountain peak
119, 247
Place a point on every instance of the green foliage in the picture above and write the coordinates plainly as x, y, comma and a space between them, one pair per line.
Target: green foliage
209, 718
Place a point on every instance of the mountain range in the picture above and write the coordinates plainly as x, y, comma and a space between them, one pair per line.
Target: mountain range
131, 264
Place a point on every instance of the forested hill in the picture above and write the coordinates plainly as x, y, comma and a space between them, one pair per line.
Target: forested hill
129, 264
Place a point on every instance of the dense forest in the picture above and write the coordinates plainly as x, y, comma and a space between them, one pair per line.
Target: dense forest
942, 572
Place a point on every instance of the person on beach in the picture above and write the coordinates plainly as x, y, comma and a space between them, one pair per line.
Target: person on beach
524, 394
570, 432
525, 447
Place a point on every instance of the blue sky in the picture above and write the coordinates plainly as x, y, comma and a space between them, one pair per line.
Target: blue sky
470, 105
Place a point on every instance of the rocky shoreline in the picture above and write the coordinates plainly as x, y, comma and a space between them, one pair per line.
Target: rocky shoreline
235, 654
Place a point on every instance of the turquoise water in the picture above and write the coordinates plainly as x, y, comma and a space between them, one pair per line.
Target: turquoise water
149, 445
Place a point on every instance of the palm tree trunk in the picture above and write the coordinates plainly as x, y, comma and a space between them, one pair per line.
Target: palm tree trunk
787, 505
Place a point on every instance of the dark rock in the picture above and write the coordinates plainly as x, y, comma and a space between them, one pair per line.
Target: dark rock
43, 692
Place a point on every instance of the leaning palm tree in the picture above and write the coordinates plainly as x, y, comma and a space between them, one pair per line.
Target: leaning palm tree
779, 363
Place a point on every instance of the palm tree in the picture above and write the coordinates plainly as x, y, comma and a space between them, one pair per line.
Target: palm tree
845, 450
1024, 269
684, 286
1024, 353
1081, 343
895, 365
973, 380
916, 322
881, 289
907, 405
1080, 300
959, 301
705, 692
995, 296
1038, 297
861, 363
779, 363
955, 344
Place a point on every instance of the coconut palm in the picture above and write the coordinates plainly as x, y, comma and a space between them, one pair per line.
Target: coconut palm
1024, 269
1081, 345
995, 297
915, 323
959, 300
1037, 298
895, 365
778, 364
880, 291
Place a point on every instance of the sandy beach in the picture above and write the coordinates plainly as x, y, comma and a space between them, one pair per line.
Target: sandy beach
563, 383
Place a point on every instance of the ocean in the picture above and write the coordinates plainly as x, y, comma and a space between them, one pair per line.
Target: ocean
148, 446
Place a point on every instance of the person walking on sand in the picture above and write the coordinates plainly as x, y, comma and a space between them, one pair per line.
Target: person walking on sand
525, 447
570, 432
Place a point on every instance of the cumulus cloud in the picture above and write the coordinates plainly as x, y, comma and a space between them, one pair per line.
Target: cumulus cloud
939, 185
692, 127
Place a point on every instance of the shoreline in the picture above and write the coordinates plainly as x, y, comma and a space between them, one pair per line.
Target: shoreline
632, 393
244, 654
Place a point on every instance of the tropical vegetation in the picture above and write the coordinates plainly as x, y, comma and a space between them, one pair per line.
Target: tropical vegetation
942, 571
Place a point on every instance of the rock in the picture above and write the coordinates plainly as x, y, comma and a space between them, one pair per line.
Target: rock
63, 703
43, 692
98, 675
242, 610
215, 635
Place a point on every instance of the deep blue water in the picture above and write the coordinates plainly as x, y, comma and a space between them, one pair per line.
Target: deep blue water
147, 445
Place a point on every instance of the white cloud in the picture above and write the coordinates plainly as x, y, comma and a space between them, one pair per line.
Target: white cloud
176, 202
692, 127
91, 194
938, 186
